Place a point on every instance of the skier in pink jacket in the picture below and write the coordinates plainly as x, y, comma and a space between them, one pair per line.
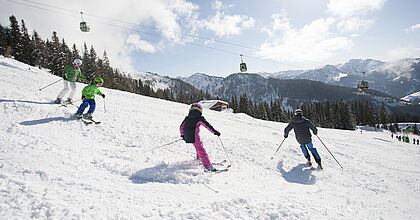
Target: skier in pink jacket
190, 132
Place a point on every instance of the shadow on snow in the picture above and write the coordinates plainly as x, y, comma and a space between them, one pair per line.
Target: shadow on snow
299, 174
178, 173
25, 101
382, 140
45, 120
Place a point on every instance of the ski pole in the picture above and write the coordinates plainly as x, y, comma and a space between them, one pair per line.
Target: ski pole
278, 148
162, 145
330, 152
226, 153
104, 106
208, 187
50, 84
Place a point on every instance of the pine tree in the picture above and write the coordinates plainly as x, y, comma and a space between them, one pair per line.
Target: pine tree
277, 112
234, 104
383, 115
56, 57
3, 42
261, 111
89, 66
66, 53
40, 53
27, 47
15, 39
74, 53
244, 105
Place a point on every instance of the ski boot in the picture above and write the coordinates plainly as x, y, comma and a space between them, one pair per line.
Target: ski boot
210, 169
309, 163
78, 115
57, 101
87, 115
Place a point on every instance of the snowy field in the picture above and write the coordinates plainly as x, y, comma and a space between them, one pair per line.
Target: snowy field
55, 167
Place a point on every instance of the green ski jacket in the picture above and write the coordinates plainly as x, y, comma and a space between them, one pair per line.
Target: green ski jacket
89, 91
71, 73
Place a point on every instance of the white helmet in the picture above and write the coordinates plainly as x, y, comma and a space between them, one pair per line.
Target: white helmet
77, 62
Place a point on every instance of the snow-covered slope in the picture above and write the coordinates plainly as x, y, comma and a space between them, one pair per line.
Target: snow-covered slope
415, 97
54, 167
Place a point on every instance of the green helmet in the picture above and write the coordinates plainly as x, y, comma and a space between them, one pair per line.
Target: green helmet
98, 80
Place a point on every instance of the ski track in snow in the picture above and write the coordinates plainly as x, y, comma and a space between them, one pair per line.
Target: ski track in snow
55, 167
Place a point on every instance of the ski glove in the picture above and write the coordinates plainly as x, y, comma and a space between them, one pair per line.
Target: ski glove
217, 133
103, 95
83, 97
285, 136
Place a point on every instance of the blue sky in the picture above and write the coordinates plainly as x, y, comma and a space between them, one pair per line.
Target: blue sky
180, 37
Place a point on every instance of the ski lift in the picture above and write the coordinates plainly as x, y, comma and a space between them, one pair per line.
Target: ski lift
84, 27
242, 66
363, 85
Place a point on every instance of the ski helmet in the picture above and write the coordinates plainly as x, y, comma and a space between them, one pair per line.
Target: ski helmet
196, 106
77, 62
298, 112
98, 80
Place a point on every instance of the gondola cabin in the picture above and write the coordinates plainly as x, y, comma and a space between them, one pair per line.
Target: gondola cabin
243, 67
84, 27
363, 85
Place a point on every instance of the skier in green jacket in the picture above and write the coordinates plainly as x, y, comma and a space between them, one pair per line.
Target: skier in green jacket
88, 96
70, 74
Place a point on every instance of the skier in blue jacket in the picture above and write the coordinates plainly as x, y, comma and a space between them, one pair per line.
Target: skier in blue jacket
301, 126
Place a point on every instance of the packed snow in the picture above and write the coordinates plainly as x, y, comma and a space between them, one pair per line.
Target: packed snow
55, 167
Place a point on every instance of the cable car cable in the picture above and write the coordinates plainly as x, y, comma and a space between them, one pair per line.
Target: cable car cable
158, 35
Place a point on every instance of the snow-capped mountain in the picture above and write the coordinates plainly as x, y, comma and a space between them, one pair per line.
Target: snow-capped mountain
398, 78
415, 97
154, 80
55, 167
157, 82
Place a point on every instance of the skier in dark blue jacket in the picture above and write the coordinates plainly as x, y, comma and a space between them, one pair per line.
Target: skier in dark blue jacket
301, 126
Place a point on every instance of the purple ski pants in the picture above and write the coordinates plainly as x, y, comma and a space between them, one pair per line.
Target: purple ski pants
202, 154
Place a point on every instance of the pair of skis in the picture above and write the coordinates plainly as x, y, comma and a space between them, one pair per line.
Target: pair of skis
222, 163
89, 121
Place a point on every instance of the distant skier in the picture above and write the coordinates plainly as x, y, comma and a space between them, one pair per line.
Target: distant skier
88, 97
190, 132
301, 126
70, 74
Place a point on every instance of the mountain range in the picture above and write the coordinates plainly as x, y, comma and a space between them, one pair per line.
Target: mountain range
388, 82
397, 78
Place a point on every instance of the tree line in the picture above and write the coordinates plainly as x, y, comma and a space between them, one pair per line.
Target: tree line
54, 54
338, 115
